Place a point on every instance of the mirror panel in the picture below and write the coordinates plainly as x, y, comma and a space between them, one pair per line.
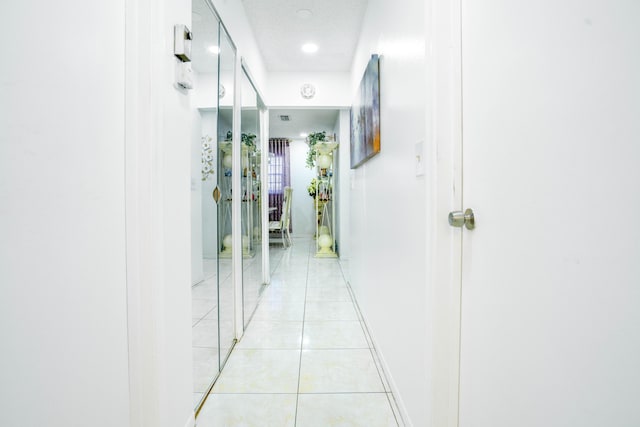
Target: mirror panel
227, 61
204, 217
252, 281
213, 168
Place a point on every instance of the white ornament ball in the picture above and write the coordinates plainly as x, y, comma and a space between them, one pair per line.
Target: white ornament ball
324, 161
323, 230
227, 161
226, 241
325, 241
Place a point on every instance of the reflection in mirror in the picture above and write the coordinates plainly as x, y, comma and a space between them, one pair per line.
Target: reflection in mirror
213, 68
252, 281
204, 215
227, 61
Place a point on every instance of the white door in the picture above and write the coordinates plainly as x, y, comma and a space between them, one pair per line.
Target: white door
550, 328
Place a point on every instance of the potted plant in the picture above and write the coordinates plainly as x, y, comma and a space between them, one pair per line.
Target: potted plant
312, 140
313, 187
249, 140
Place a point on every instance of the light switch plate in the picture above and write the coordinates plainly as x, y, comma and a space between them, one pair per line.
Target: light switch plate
419, 158
184, 77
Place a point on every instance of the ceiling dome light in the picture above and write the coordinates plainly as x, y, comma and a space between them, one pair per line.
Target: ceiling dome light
214, 49
309, 48
304, 13
308, 91
304, 135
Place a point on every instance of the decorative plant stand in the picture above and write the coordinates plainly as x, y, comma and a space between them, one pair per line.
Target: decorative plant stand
325, 225
250, 199
250, 203
224, 207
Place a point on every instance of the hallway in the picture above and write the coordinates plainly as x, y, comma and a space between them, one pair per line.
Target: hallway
306, 358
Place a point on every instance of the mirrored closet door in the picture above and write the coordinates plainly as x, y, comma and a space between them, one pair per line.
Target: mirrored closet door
213, 70
226, 96
252, 112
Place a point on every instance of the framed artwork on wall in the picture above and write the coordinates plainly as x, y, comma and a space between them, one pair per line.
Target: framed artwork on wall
365, 115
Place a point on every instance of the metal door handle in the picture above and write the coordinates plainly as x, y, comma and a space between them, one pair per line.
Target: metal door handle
459, 218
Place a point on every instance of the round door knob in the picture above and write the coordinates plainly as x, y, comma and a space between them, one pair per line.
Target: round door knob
456, 218
459, 218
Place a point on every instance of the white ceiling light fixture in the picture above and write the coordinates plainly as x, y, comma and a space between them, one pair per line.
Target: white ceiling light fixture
304, 13
309, 48
303, 135
214, 49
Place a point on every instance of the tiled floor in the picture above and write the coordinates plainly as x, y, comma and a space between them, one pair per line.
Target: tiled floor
210, 343
205, 340
305, 359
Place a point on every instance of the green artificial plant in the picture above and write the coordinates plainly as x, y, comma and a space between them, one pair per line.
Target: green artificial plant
248, 139
312, 140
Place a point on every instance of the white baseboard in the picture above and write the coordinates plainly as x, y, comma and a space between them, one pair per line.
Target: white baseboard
392, 384
405, 420
191, 422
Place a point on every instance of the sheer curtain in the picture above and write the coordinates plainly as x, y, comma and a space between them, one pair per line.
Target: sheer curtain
279, 176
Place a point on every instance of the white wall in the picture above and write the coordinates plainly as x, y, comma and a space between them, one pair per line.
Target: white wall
343, 185
63, 298
332, 89
302, 210
388, 206
197, 271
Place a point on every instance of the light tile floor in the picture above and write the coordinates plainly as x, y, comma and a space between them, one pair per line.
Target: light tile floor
205, 318
305, 359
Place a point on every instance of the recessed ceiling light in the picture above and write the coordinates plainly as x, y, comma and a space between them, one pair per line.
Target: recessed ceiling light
309, 48
304, 13
214, 49
304, 135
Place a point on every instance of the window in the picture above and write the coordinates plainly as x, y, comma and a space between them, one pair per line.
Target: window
279, 175
276, 181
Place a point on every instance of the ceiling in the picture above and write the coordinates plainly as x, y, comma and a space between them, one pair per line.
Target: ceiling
281, 27
280, 30
204, 26
301, 120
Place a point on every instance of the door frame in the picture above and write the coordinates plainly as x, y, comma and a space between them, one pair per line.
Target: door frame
148, 68
444, 194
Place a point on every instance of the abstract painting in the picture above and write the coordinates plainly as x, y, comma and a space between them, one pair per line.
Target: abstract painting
365, 116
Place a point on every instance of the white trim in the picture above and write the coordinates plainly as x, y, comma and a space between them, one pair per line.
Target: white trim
264, 194
236, 206
444, 194
143, 220
456, 255
405, 421
191, 422
263, 131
